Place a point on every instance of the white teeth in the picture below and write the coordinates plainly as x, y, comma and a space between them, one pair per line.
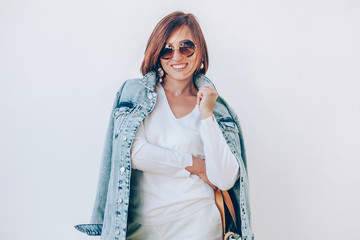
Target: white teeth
179, 66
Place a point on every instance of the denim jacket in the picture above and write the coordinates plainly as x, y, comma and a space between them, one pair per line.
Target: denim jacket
134, 101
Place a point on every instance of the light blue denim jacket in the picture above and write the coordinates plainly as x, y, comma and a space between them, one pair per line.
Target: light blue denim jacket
134, 101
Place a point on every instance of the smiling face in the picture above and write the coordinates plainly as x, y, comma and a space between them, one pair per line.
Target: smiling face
179, 67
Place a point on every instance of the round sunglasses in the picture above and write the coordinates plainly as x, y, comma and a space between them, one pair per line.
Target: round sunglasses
186, 49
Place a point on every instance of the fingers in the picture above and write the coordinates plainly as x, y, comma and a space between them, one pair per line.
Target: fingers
199, 168
204, 177
205, 89
199, 97
209, 85
211, 185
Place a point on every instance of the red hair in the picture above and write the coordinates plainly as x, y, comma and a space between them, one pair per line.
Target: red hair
162, 32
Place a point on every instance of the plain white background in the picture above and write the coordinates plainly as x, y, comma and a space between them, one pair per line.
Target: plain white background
290, 69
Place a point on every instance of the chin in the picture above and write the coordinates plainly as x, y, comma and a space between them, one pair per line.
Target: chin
180, 77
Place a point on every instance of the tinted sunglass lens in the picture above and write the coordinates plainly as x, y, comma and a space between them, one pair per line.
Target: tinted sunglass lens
187, 48
185, 51
166, 53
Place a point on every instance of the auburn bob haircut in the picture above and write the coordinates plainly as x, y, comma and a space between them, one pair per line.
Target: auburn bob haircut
162, 32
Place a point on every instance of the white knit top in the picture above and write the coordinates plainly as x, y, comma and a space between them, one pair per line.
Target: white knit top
162, 190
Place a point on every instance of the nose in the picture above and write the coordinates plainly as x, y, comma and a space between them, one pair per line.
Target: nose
176, 54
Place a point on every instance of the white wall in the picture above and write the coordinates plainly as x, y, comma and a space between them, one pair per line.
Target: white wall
291, 70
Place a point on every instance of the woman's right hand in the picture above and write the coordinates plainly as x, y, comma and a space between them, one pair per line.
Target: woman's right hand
199, 168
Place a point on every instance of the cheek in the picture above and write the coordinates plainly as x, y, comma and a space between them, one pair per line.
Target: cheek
163, 64
197, 60
195, 63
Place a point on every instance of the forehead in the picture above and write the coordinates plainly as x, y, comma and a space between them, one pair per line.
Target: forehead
179, 34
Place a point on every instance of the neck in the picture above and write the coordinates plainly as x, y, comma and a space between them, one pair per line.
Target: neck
176, 87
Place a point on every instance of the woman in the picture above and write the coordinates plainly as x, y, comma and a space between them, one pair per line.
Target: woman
174, 141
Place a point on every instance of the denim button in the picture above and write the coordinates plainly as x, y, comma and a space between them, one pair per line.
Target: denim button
120, 201
150, 96
122, 169
124, 138
117, 232
137, 114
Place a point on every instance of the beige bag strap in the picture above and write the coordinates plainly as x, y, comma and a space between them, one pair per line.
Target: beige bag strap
220, 204
229, 205
222, 197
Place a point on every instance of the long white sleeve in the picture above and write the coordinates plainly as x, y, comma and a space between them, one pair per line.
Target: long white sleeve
155, 159
222, 168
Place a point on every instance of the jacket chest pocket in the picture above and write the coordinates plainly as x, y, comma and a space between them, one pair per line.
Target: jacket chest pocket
231, 132
121, 116
229, 125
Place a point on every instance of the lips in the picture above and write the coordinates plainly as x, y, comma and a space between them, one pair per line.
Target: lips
179, 66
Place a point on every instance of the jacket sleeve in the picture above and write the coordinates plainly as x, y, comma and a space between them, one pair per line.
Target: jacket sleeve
97, 217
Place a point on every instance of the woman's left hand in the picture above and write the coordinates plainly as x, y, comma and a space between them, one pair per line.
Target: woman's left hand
206, 97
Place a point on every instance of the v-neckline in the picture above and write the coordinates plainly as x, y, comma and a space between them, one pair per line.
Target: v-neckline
169, 108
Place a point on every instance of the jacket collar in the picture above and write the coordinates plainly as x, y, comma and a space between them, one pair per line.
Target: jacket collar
150, 79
